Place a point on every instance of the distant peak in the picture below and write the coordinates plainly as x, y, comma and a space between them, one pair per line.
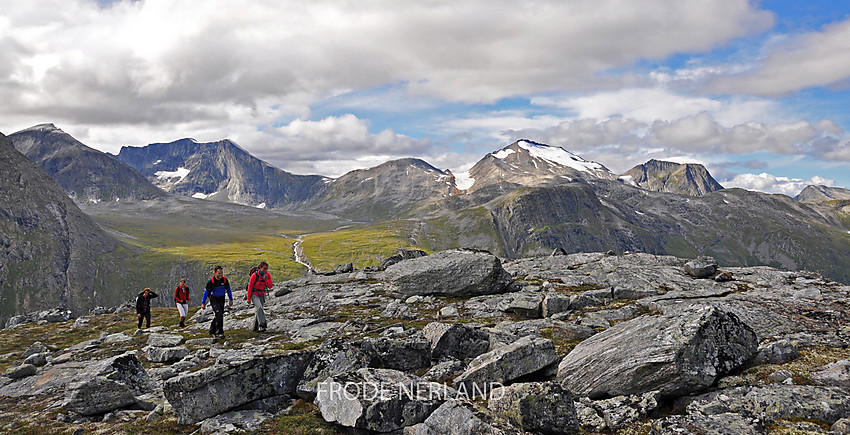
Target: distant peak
43, 127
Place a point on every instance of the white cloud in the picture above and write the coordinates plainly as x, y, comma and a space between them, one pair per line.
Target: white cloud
768, 183
796, 62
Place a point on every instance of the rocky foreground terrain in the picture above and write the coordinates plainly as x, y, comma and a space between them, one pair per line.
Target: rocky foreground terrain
459, 342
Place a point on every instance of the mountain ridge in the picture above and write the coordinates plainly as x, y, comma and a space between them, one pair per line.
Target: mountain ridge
663, 176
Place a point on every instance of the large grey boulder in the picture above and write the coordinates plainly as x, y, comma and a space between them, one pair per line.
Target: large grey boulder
505, 364
379, 400
455, 340
537, 407
617, 412
702, 267
674, 354
448, 273
461, 417
776, 401
21, 371
236, 379
107, 385
97, 395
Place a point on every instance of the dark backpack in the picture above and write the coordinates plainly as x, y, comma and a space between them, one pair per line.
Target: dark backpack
250, 274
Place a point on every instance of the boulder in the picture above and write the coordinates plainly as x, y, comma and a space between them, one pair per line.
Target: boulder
776, 401
166, 354
462, 417
37, 359
107, 385
21, 371
36, 347
538, 407
237, 378
674, 354
455, 340
617, 412
97, 395
448, 273
702, 267
379, 400
333, 357
526, 305
237, 421
554, 303
445, 370
403, 354
505, 364
164, 340
841, 427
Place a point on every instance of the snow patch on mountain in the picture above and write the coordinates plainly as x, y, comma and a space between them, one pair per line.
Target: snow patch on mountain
180, 173
503, 153
560, 156
463, 180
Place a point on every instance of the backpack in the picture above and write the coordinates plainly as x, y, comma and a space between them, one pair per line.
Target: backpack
250, 274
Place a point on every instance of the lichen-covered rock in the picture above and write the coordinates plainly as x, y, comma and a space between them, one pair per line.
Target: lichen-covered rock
21, 371
166, 354
448, 273
399, 354
379, 400
237, 421
538, 407
697, 424
455, 341
776, 401
461, 417
505, 364
164, 340
526, 305
617, 412
236, 379
674, 354
107, 385
333, 357
841, 427
835, 374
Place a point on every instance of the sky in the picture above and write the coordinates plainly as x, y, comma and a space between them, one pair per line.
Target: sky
757, 91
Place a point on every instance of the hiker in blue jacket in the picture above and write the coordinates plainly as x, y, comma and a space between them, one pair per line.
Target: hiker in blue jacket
216, 288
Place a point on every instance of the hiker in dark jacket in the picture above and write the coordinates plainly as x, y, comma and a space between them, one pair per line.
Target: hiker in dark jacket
143, 306
181, 297
216, 288
258, 285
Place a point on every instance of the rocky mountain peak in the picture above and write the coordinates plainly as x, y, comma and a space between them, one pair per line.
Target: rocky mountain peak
663, 176
820, 193
529, 163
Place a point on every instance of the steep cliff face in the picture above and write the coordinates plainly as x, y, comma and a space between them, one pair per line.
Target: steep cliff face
49, 250
86, 174
660, 176
220, 171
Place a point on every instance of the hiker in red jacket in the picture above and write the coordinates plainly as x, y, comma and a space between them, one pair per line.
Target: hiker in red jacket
181, 297
258, 285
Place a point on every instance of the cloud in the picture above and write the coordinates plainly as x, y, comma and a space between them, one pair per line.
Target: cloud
768, 183
796, 62
158, 62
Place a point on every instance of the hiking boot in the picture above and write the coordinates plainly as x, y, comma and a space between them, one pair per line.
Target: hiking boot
182, 325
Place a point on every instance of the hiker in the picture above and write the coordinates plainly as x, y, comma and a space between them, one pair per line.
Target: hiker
216, 288
258, 285
143, 306
181, 297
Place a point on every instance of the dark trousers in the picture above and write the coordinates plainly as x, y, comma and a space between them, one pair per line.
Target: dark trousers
217, 304
145, 316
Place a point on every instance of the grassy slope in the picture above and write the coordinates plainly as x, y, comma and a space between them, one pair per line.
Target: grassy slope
362, 246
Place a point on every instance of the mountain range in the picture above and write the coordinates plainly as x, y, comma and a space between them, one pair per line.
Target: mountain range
525, 199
